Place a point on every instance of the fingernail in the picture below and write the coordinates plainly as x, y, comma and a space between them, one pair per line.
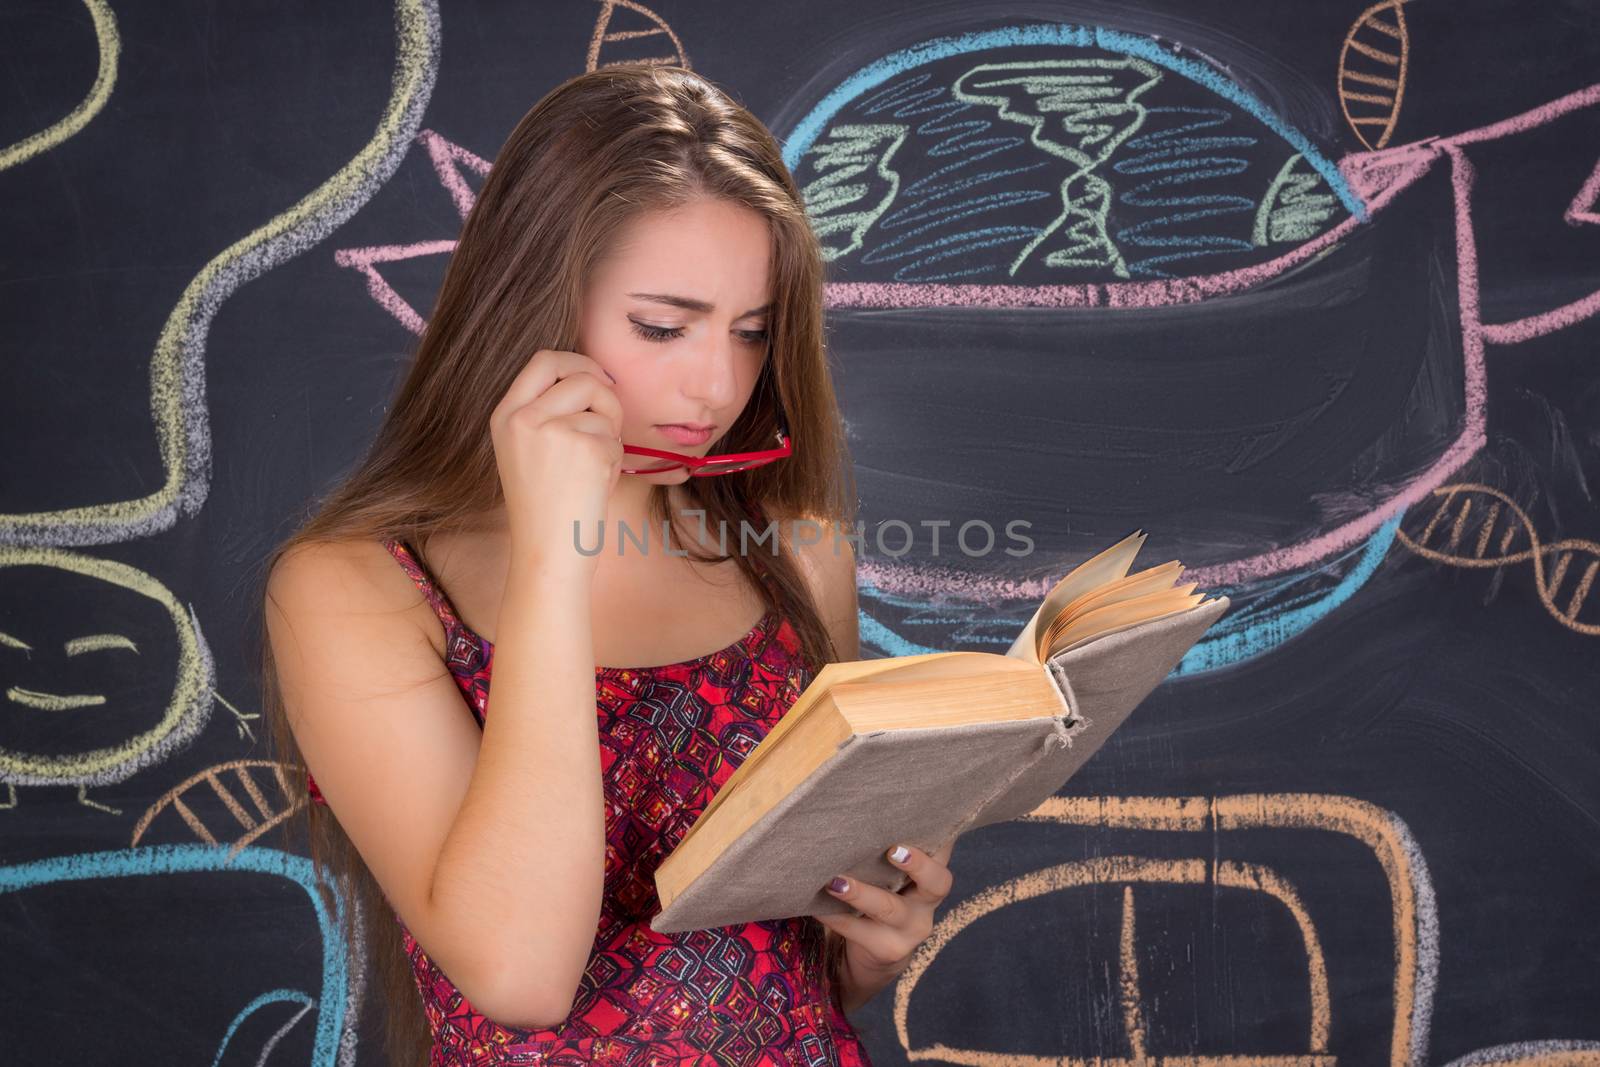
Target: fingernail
899, 853
839, 885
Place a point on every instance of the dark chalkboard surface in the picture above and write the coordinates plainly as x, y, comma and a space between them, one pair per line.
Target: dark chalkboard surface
1308, 292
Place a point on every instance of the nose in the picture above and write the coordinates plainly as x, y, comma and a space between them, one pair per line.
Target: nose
713, 377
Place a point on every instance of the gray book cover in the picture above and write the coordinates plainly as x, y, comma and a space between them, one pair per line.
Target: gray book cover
948, 780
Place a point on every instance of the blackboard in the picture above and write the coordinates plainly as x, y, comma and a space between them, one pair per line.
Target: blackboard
1307, 292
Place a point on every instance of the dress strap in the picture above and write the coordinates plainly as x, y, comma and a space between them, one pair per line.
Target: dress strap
412, 564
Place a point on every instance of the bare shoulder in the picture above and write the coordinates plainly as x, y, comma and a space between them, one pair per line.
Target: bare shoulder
334, 570
347, 583
346, 627
828, 560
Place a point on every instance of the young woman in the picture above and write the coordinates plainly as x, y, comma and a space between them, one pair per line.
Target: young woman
638, 257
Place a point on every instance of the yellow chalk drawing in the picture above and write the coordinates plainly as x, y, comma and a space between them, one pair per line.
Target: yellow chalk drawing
210, 786
1081, 111
177, 380
1372, 71
186, 712
856, 183
76, 646
1412, 917
240, 717
1295, 207
654, 26
97, 642
1532, 1054
1488, 529
105, 34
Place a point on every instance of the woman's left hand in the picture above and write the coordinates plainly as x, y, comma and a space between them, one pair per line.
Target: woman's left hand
880, 941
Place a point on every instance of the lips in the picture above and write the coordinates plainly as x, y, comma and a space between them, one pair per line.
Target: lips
684, 435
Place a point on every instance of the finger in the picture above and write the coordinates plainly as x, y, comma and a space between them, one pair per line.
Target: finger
544, 368
582, 391
872, 901
875, 939
930, 878
593, 422
578, 393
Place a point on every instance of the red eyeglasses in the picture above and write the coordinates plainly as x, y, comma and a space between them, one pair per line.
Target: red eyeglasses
705, 466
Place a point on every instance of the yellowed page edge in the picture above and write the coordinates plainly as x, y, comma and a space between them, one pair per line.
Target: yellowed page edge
1108, 566
1131, 587
1116, 616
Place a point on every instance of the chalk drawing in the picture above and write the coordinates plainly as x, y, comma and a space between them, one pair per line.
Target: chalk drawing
185, 712
1478, 526
648, 27
181, 421
1413, 923
105, 78
253, 814
334, 1040
448, 160
1373, 63
1309, 201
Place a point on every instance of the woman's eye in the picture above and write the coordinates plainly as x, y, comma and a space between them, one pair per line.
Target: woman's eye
655, 333
666, 333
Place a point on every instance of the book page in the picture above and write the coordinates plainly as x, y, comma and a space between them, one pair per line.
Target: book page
1132, 587
1108, 566
1118, 616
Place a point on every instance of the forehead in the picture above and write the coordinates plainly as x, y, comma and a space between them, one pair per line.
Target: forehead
711, 250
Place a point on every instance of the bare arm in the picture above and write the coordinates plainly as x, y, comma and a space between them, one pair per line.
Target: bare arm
490, 846
527, 847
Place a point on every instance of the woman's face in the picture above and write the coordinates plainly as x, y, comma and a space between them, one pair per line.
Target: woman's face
678, 315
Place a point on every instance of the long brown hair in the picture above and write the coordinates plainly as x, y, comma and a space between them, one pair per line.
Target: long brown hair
594, 152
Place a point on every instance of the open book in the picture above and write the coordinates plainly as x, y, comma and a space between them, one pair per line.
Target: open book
921, 749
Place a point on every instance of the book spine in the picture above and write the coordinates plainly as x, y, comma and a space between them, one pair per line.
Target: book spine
1058, 674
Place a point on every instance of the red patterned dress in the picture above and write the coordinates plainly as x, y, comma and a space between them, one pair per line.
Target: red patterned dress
753, 994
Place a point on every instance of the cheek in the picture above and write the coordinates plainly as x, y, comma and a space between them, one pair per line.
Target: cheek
636, 387
630, 361
610, 339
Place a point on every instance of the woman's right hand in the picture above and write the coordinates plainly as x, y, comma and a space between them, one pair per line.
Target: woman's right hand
557, 443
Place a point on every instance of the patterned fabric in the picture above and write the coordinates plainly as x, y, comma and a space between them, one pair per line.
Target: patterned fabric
752, 994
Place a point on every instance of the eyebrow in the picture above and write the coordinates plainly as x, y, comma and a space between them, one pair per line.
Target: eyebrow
689, 303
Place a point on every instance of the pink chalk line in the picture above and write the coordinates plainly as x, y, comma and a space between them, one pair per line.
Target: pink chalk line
448, 159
